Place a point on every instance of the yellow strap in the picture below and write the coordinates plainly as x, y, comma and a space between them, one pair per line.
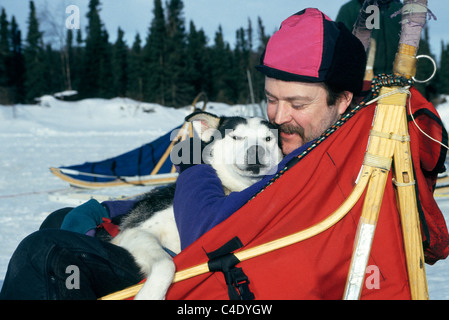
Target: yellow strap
402, 184
377, 161
399, 99
390, 136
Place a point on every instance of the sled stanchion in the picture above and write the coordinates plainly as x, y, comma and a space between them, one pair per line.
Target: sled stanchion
379, 156
181, 134
405, 185
185, 130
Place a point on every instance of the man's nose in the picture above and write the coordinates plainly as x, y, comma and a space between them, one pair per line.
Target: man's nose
283, 113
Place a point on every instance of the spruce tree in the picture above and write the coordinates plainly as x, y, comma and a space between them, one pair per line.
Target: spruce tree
4, 49
221, 63
120, 64
263, 37
67, 59
258, 77
106, 71
135, 70
90, 84
179, 92
34, 58
17, 64
242, 53
197, 70
76, 54
154, 58
52, 76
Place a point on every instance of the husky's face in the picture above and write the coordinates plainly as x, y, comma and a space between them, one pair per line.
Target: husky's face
241, 150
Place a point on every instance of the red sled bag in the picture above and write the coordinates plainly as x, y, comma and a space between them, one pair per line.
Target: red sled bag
428, 158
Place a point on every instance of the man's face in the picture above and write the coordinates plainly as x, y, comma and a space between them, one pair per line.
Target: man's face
301, 111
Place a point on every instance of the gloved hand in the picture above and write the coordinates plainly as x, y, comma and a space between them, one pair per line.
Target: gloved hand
188, 153
85, 217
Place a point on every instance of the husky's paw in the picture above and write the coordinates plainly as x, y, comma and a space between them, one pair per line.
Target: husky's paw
148, 292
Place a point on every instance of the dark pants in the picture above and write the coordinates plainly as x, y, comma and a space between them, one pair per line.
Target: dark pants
53, 264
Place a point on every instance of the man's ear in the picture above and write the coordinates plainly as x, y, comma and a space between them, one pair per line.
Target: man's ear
204, 124
344, 101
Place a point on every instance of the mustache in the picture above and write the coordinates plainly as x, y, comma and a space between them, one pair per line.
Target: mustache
289, 129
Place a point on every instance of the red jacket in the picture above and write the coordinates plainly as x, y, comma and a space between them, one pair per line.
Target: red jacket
306, 194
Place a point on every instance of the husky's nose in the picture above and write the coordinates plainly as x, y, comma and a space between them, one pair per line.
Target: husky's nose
254, 154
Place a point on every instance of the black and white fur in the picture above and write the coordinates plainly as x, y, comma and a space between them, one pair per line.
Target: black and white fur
241, 150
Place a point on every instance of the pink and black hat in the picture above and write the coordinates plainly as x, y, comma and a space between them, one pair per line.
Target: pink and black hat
310, 47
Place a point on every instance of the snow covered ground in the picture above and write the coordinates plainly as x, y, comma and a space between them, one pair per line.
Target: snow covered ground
56, 133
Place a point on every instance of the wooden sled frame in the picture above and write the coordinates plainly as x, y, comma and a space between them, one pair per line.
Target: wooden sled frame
389, 144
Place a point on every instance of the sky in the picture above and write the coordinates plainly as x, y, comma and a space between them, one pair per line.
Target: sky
134, 16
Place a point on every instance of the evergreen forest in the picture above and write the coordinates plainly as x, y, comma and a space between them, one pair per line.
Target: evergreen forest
169, 65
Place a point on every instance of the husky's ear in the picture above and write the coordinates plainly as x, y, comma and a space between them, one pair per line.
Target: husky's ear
205, 124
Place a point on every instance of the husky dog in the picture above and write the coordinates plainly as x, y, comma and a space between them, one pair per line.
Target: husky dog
241, 150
